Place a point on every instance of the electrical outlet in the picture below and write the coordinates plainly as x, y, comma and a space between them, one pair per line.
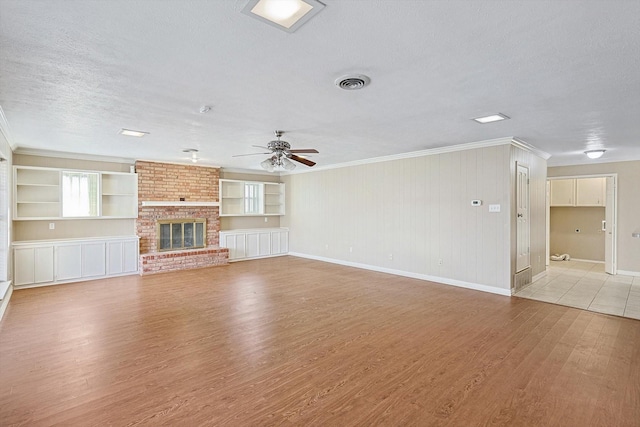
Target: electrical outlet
326, 246
350, 249
391, 256
266, 219
440, 262
52, 226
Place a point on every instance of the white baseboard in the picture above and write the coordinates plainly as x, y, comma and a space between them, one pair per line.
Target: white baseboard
538, 276
257, 257
628, 273
441, 280
4, 303
587, 260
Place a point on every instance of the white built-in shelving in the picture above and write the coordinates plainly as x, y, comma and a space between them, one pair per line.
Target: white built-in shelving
235, 198
38, 194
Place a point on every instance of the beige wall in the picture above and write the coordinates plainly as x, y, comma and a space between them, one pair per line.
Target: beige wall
407, 215
239, 222
69, 229
628, 247
588, 244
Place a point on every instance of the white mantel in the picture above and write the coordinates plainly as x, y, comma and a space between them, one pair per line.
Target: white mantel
150, 203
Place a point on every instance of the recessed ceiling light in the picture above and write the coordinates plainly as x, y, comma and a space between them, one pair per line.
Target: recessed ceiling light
492, 118
136, 133
288, 15
594, 154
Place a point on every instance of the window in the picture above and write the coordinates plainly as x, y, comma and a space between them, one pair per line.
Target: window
252, 198
79, 194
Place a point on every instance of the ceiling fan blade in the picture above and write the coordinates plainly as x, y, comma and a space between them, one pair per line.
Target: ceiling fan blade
260, 146
252, 154
302, 160
305, 150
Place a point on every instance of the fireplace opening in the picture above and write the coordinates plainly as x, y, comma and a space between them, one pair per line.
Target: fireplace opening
179, 234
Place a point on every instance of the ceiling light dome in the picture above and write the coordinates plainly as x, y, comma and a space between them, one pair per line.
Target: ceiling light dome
594, 154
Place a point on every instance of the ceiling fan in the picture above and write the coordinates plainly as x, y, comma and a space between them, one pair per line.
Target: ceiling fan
281, 152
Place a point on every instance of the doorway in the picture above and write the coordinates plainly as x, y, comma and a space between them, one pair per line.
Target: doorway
581, 211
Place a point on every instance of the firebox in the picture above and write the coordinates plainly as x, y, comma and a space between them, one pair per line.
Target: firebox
179, 234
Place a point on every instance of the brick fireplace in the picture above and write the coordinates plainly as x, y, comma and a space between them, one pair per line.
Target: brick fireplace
161, 189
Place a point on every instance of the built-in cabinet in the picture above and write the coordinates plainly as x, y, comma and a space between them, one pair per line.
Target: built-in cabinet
39, 194
59, 261
578, 192
251, 198
255, 243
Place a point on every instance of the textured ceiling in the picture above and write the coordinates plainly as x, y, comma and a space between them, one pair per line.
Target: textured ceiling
73, 73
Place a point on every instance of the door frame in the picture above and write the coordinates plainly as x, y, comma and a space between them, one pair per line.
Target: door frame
614, 243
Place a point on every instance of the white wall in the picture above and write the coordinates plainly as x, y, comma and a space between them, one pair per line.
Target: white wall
417, 211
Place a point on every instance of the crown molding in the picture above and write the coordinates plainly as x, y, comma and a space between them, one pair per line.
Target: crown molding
516, 142
185, 163
510, 140
75, 156
250, 171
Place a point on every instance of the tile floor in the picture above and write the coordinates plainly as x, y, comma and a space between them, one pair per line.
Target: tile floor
585, 285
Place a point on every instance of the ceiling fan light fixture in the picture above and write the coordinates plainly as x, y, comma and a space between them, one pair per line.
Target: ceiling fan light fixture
287, 164
594, 154
287, 15
267, 165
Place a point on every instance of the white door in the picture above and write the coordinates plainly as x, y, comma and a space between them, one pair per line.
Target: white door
610, 227
523, 257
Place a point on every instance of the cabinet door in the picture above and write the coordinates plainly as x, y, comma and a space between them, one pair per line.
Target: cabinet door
94, 259
115, 257
130, 254
43, 264
23, 266
279, 242
590, 191
33, 265
258, 244
68, 262
563, 192
236, 245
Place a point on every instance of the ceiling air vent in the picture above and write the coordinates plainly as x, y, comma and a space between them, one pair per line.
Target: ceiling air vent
353, 82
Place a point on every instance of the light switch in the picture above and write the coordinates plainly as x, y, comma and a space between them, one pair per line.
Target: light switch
494, 208
476, 202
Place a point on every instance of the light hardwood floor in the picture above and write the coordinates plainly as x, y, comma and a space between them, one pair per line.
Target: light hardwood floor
288, 341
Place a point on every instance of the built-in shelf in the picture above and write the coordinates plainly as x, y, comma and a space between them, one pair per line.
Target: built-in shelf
149, 203
38, 194
251, 198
